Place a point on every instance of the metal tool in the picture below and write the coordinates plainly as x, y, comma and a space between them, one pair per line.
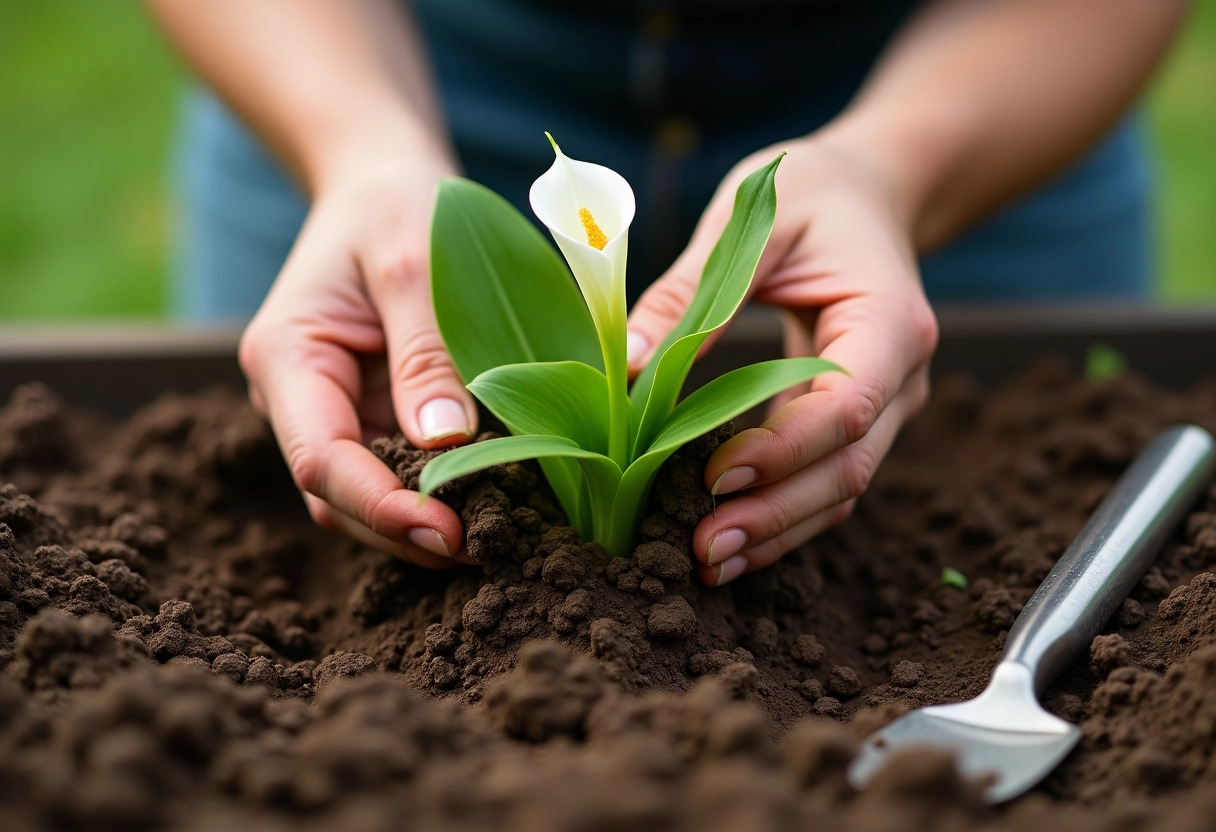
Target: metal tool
1004, 734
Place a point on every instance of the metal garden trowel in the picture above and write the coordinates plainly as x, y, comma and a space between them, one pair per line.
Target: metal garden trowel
1004, 736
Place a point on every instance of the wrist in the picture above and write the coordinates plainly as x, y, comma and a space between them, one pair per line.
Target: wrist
911, 156
356, 148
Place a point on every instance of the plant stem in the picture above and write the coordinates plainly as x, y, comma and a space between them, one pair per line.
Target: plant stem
617, 539
612, 337
618, 403
620, 531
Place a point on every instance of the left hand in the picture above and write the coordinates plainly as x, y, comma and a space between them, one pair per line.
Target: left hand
841, 266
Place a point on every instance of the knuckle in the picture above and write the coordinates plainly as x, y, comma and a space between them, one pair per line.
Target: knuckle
307, 470
422, 358
669, 299
795, 535
779, 518
925, 332
783, 446
856, 471
407, 269
860, 411
370, 511
252, 350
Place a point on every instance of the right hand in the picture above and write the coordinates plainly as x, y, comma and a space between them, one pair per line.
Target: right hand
354, 291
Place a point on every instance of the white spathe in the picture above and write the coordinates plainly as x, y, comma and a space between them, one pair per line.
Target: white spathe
557, 196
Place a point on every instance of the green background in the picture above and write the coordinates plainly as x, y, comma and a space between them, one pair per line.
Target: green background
87, 108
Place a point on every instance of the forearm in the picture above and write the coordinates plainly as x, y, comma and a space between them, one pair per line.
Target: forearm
980, 100
325, 83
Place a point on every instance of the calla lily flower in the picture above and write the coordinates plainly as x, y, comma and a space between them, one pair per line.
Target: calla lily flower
588, 208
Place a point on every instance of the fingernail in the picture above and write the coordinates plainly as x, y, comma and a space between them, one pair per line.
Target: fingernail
734, 479
724, 544
430, 540
730, 569
442, 417
636, 347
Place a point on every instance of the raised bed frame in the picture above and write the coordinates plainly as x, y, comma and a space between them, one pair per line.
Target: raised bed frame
117, 368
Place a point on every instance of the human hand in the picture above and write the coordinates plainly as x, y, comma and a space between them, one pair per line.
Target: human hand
840, 265
354, 291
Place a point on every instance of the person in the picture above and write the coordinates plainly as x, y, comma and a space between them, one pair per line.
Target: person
983, 145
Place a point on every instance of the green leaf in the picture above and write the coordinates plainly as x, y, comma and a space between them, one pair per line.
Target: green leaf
501, 293
724, 283
468, 459
722, 399
733, 393
563, 398
600, 473
560, 398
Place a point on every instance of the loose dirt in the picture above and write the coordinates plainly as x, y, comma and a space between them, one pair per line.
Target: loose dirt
181, 649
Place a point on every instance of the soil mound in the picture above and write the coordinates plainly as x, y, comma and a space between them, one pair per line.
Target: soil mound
181, 649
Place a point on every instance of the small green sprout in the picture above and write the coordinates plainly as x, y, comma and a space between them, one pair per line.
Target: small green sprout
1102, 361
952, 577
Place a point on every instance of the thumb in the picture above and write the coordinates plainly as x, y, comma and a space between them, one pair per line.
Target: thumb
662, 306
432, 405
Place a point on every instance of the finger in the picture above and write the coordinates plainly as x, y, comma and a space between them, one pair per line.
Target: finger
768, 512
432, 405
880, 347
773, 549
664, 303
309, 392
328, 517
796, 329
767, 553
661, 306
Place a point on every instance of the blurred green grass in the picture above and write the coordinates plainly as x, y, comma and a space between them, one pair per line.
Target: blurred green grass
87, 94
87, 106
1182, 118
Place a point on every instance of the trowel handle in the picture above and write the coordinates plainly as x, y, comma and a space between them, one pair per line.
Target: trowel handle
1117, 545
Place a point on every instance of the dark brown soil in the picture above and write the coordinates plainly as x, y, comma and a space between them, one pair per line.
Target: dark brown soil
181, 649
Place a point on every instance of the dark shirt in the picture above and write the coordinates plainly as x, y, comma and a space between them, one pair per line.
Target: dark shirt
671, 94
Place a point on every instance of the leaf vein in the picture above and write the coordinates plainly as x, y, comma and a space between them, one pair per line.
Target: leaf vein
500, 290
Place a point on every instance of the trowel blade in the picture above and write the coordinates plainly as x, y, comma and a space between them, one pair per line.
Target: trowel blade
1008, 761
